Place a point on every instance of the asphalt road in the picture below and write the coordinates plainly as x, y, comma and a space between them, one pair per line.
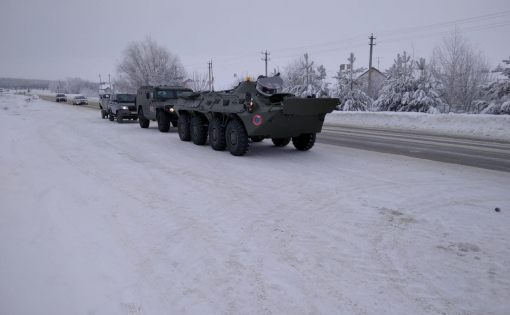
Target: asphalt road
486, 154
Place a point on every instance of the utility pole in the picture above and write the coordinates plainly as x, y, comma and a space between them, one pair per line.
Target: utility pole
265, 59
370, 65
211, 77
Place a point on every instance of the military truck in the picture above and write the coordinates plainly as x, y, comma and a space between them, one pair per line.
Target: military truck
156, 103
122, 106
251, 111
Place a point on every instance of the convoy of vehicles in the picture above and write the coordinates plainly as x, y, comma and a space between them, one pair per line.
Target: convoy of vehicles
227, 120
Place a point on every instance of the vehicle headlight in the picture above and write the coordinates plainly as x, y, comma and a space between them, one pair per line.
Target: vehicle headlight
172, 110
124, 107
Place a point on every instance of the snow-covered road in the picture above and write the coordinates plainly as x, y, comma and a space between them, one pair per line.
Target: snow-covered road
105, 218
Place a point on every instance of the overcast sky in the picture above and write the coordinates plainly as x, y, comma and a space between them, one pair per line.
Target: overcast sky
55, 39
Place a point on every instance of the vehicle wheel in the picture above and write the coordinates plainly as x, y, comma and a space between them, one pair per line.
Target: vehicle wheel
304, 142
144, 123
257, 139
120, 119
217, 135
280, 142
198, 130
236, 138
183, 127
163, 122
110, 117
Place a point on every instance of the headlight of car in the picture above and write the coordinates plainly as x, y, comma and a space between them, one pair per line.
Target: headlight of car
124, 107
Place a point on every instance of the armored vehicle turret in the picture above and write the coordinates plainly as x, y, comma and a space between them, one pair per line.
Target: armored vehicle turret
251, 111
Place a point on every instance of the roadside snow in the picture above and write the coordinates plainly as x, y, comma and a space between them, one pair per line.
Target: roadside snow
105, 218
463, 125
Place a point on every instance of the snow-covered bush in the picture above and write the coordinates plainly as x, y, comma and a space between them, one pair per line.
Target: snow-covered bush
349, 90
407, 91
302, 79
495, 96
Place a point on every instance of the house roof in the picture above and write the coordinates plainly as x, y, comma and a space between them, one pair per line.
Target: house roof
374, 69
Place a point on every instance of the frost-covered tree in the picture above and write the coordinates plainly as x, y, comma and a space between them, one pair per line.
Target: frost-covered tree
460, 70
198, 81
405, 90
495, 96
147, 63
303, 79
349, 90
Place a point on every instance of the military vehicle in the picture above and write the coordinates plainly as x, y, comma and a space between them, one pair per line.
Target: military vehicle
251, 111
122, 106
156, 103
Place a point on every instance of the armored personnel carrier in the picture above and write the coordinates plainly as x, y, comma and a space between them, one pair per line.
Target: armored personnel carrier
251, 111
156, 103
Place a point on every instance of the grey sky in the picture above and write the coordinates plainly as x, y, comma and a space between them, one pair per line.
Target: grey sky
55, 39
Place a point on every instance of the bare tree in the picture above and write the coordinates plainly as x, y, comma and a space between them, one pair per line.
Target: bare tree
147, 63
460, 70
198, 81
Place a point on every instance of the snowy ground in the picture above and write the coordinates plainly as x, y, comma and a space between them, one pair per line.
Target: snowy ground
105, 218
464, 125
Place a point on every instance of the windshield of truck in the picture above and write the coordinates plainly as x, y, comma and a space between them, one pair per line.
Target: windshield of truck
168, 94
125, 98
61, 95
269, 86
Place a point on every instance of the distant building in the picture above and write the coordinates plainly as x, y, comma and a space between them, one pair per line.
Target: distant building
378, 79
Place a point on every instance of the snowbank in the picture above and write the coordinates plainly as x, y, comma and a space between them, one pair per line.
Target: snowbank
98, 217
464, 125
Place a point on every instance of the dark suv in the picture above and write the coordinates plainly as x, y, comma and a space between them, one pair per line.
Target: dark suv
156, 103
122, 106
61, 98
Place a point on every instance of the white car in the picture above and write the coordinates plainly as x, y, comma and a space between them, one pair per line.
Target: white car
79, 99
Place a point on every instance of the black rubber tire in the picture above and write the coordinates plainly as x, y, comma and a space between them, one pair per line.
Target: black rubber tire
144, 123
257, 139
280, 142
217, 138
304, 142
120, 119
236, 138
163, 122
183, 127
198, 130
110, 117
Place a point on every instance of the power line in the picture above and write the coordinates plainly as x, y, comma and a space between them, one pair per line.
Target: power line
393, 35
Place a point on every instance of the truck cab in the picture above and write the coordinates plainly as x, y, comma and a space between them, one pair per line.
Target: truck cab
156, 103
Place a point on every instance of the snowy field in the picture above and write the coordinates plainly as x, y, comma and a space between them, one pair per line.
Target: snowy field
463, 125
104, 218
